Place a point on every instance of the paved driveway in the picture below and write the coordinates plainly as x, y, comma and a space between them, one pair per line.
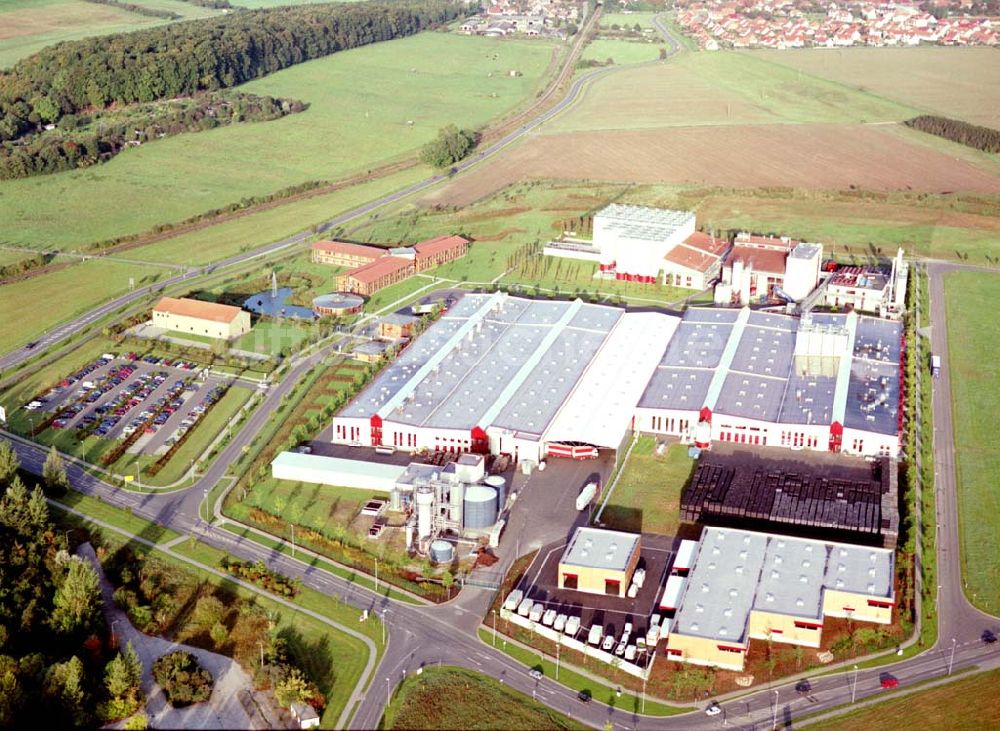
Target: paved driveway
233, 687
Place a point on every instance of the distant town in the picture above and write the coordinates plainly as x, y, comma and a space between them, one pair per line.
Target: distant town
781, 24
549, 18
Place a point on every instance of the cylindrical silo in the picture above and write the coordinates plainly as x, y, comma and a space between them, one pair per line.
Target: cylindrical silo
499, 484
425, 511
480, 507
457, 499
442, 551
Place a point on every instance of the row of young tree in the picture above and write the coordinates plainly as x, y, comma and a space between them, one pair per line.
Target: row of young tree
53, 663
970, 135
180, 59
81, 141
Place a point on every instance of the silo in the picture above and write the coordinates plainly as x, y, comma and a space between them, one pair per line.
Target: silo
442, 551
457, 497
425, 510
499, 484
480, 507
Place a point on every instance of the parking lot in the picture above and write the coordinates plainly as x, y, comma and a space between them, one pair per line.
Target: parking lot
112, 398
540, 583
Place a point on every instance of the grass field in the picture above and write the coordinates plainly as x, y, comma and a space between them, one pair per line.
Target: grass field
26, 26
320, 507
973, 334
623, 20
271, 336
647, 497
721, 89
450, 697
962, 83
847, 222
227, 239
32, 306
622, 52
362, 103
961, 704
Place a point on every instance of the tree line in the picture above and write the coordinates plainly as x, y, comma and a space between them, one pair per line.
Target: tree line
81, 141
139, 9
180, 59
970, 135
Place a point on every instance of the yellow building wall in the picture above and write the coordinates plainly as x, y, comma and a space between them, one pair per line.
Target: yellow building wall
834, 602
591, 580
206, 328
763, 624
701, 651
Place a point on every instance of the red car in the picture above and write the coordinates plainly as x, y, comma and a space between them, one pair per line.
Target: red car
890, 682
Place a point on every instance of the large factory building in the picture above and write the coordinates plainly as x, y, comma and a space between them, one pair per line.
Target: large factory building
746, 585
528, 378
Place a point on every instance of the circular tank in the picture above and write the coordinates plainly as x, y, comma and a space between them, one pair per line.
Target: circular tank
499, 484
480, 509
442, 551
425, 509
337, 304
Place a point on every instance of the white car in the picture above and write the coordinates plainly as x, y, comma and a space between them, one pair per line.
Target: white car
639, 577
609, 643
713, 709
549, 617
560, 624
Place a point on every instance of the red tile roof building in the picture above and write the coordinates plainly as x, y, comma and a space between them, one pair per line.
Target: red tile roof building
440, 250
207, 319
383, 272
344, 254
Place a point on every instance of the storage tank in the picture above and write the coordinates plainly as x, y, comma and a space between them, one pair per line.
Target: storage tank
480, 507
499, 484
425, 510
442, 551
703, 435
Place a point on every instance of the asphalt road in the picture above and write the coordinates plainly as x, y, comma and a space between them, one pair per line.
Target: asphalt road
61, 332
425, 635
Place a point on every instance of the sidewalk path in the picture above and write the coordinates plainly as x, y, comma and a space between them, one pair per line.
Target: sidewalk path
223, 709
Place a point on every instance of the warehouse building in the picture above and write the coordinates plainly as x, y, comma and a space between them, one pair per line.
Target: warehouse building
319, 470
825, 382
598, 561
647, 245
747, 585
206, 319
508, 375
531, 378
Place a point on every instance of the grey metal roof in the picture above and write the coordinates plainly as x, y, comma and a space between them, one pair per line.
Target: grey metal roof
721, 587
737, 571
878, 340
600, 549
804, 251
873, 397
639, 222
711, 314
808, 399
697, 344
765, 352
773, 319
751, 397
677, 388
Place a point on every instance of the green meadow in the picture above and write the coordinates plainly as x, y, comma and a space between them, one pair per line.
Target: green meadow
367, 105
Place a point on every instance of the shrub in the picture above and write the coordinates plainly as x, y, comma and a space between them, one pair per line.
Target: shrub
183, 681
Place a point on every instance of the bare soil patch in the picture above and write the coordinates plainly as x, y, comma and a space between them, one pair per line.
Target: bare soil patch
819, 157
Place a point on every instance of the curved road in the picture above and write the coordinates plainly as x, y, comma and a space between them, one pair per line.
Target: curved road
61, 332
447, 634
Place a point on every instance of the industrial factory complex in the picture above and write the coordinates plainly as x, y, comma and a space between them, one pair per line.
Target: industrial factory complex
504, 375
787, 364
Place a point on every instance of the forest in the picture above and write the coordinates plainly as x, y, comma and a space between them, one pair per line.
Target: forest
181, 59
970, 135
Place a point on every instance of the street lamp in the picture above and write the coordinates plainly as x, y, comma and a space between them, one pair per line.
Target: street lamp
854, 686
494, 627
774, 716
384, 612
388, 698
114, 641
951, 661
